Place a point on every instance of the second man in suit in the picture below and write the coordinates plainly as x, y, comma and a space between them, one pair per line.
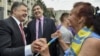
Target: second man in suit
41, 26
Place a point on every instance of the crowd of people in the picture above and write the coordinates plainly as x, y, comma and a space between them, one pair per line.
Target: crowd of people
77, 35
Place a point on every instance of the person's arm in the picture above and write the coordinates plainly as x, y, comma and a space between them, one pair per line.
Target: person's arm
6, 41
60, 40
91, 47
63, 45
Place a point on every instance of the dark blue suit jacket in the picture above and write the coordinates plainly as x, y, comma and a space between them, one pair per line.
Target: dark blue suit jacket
48, 28
11, 42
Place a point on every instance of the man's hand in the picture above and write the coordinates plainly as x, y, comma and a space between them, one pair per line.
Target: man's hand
38, 44
41, 46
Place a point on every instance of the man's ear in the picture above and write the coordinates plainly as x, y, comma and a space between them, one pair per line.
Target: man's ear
81, 20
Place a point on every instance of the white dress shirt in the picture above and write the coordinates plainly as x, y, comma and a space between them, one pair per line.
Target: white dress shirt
28, 51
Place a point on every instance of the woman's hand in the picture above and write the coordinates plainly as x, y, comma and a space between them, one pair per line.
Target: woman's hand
57, 34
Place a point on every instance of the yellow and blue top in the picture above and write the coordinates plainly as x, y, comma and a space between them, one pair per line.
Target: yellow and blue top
78, 40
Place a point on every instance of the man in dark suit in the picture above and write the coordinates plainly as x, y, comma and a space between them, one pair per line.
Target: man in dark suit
12, 37
35, 31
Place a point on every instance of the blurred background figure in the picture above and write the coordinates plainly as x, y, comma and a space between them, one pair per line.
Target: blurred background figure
64, 28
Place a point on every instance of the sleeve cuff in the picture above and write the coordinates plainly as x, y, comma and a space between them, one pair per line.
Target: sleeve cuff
28, 51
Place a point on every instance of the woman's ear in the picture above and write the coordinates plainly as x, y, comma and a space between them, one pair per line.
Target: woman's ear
81, 20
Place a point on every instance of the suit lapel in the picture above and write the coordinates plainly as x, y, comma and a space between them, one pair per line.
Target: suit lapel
34, 25
33, 28
44, 25
14, 24
17, 30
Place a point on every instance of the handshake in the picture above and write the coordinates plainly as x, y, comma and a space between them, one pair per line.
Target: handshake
40, 45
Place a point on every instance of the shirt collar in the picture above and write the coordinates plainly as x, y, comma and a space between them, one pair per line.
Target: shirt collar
42, 18
17, 21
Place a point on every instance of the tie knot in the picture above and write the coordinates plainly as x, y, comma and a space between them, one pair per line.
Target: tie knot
21, 25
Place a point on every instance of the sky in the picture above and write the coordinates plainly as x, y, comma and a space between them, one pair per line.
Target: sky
67, 4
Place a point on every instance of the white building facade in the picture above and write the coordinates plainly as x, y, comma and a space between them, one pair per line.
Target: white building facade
5, 6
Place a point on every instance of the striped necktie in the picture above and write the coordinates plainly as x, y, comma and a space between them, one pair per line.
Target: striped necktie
22, 33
